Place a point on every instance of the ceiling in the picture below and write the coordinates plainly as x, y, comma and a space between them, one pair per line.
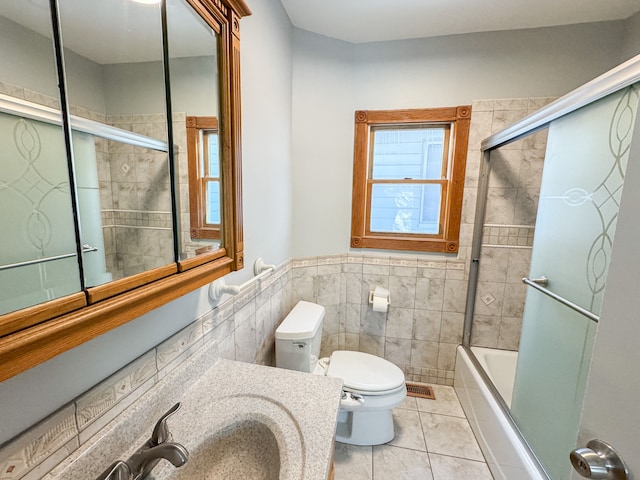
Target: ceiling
361, 21
116, 31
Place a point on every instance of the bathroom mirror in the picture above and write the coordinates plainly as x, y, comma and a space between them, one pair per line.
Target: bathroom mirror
35, 200
193, 47
115, 76
87, 90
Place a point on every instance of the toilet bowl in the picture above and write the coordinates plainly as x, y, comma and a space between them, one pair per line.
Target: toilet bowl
372, 386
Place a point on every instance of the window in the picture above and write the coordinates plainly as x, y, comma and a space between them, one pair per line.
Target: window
203, 154
408, 178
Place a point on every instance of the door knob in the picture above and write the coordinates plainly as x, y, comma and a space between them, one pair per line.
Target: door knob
599, 461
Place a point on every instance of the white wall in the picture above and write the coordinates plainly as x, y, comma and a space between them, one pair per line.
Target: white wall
631, 46
332, 79
323, 107
266, 39
28, 59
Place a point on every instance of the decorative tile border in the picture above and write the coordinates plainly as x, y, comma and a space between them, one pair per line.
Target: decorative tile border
508, 235
136, 218
104, 396
47, 443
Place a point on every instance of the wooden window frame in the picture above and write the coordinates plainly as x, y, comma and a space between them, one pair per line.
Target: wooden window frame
199, 228
446, 241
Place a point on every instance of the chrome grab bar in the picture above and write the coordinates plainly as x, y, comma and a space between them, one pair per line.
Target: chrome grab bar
85, 249
540, 284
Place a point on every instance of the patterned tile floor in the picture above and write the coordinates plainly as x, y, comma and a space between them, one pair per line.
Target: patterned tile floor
433, 442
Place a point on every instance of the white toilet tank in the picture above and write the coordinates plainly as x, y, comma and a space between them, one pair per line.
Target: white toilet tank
299, 336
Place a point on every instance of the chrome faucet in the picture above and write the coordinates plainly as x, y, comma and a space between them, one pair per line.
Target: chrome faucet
159, 446
116, 471
142, 462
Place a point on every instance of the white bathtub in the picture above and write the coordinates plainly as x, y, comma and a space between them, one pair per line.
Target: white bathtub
506, 453
500, 366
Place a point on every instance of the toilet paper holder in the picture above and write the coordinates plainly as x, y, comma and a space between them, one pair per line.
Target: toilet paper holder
380, 298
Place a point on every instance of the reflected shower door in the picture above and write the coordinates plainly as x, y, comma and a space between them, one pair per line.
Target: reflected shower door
582, 181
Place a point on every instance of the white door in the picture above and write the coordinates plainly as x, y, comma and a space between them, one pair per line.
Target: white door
612, 399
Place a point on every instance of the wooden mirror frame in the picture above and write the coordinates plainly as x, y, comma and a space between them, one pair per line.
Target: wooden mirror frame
36, 334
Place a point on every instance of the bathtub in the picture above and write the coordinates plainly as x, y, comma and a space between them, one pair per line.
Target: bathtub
500, 367
505, 451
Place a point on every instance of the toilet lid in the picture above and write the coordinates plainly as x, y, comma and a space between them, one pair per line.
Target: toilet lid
364, 372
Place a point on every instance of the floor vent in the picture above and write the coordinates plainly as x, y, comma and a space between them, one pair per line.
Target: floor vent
420, 390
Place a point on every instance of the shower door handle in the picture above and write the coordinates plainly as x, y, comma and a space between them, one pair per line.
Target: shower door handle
599, 461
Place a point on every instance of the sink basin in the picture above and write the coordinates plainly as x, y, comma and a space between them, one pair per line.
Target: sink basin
248, 437
248, 450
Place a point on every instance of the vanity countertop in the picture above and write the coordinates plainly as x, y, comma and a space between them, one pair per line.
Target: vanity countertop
299, 409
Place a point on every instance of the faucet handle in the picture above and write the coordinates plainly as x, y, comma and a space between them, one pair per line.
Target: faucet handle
161, 432
117, 471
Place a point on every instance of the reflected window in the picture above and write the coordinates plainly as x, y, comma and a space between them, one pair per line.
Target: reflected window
203, 154
408, 177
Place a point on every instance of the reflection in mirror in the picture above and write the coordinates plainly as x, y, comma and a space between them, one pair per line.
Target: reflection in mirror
38, 259
115, 77
195, 103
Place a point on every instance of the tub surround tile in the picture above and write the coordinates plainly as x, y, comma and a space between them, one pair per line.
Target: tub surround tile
486, 329
520, 104
489, 298
447, 357
536, 103
509, 334
451, 327
454, 297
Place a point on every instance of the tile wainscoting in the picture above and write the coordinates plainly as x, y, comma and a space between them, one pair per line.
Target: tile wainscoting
423, 325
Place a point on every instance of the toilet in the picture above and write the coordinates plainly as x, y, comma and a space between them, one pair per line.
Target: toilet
372, 386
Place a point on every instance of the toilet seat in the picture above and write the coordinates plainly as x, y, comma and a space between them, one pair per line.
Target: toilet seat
364, 373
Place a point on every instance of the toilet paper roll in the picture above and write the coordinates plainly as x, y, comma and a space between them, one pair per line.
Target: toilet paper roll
380, 304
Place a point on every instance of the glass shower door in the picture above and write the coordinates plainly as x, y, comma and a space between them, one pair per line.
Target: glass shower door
582, 181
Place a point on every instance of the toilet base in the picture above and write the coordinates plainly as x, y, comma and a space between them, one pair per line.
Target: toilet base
365, 428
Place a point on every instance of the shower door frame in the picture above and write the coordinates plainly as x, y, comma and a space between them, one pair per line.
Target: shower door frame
618, 78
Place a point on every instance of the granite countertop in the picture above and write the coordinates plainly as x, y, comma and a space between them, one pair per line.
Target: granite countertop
296, 410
